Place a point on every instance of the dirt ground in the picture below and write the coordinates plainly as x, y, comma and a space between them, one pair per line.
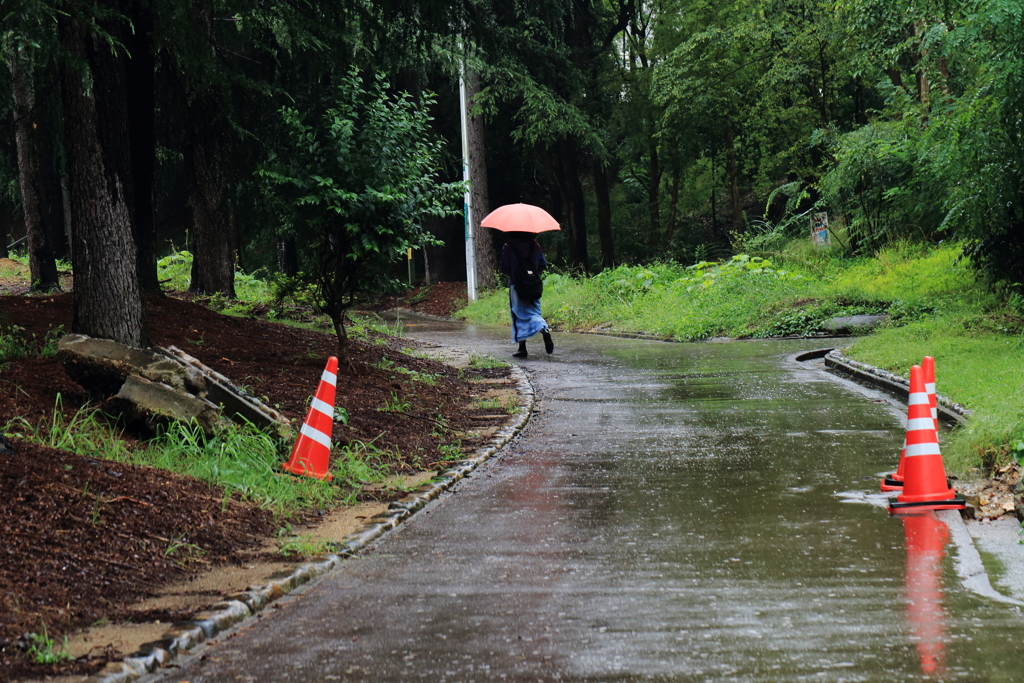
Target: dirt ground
88, 542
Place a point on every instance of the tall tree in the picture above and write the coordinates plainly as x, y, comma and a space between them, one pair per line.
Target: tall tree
35, 140
140, 75
108, 301
486, 259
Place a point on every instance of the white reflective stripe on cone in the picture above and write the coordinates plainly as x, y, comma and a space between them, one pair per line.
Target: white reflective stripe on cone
330, 378
321, 438
922, 449
917, 423
322, 407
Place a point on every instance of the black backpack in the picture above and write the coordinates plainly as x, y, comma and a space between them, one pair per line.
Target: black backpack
528, 284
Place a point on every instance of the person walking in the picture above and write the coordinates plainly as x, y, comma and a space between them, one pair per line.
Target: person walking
523, 261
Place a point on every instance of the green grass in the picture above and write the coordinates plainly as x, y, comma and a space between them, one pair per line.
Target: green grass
42, 648
485, 361
241, 460
85, 432
15, 344
979, 368
291, 544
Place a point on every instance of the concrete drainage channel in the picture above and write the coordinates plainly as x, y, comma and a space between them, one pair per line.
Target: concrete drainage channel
186, 635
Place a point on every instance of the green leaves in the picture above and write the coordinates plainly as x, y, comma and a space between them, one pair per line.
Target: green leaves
355, 186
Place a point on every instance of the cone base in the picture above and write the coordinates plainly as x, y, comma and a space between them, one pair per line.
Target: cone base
890, 484
306, 471
955, 503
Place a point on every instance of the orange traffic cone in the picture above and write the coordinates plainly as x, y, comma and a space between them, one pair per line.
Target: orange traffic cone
928, 368
924, 478
894, 482
311, 454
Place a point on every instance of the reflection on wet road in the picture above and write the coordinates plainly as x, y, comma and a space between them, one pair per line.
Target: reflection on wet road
670, 514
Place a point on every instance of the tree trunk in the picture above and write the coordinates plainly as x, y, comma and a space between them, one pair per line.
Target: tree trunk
141, 75
860, 115
561, 204
604, 215
287, 257
486, 259
6, 225
338, 319
823, 93
734, 183
924, 88
654, 194
107, 301
576, 208
36, 199
714, 195
677, 171
213, 264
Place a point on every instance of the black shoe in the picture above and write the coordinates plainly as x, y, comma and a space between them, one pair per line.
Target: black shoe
521, 353
549, 345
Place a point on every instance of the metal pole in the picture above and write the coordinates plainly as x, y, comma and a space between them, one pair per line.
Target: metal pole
468, 197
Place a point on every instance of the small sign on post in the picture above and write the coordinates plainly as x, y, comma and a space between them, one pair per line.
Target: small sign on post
819, 230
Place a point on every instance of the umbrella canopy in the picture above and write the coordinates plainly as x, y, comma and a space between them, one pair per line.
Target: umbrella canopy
520, 218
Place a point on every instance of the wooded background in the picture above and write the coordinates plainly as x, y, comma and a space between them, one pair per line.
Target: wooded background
651, 130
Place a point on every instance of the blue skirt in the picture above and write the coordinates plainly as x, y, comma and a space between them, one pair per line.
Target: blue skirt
526, 318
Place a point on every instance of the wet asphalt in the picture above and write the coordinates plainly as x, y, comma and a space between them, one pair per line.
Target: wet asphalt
670, 513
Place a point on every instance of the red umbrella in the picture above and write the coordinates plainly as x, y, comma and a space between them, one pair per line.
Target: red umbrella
520, 218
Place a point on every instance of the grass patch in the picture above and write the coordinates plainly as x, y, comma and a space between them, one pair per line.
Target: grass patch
291, 544
42, 648
979, 368
241, 460
85, 432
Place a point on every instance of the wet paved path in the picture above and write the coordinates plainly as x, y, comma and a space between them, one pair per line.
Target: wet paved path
669, 515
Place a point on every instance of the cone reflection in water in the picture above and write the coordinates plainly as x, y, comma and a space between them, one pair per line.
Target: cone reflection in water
926, 539
311, 453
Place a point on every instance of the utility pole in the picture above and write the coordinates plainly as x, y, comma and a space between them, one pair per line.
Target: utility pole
467, 197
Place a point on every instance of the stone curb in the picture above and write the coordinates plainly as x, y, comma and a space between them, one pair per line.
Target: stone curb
204, 625
837, 362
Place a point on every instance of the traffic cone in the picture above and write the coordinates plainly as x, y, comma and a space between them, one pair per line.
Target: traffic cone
311, 453
894, 482
928, 368
924, 477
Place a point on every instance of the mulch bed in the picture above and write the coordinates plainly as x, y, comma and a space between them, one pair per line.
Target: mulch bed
84, 539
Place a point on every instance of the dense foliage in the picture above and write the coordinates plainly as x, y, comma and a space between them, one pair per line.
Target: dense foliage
353, 188
679, 130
